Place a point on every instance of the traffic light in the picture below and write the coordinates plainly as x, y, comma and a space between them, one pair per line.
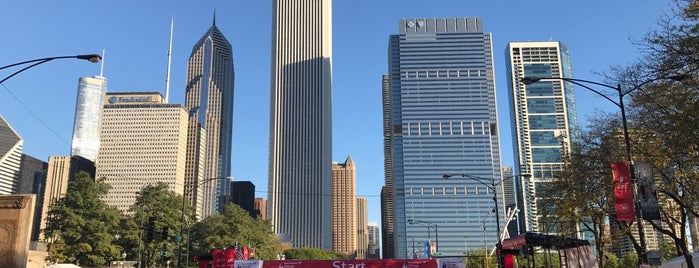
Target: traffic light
164, 234
150, 229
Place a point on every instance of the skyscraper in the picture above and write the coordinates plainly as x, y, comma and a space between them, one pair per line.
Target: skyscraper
442, 119
374, 248
243, 194
209, 100
544, 120
300, 123
88, 115
344, 198
143, 141
362, 229
387, 205
10, 158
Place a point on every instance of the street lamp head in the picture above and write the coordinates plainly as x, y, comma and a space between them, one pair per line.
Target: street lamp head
411, 222
94, 58
447, 176
525, 175
529, 80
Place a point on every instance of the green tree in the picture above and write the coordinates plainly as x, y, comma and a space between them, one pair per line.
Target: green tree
235, 225
611, 261
308, 253
629, 261
82, 227
164, 207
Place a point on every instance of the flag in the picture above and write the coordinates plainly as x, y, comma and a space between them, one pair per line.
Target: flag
623, 192
238, 252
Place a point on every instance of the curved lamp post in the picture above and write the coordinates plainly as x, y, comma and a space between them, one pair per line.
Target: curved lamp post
429, 225
490, 186
643, 257
94, 58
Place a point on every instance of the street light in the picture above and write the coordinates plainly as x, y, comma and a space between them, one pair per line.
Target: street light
94, 58
186, 191
495, 199
485, 242
643, 257
429, 225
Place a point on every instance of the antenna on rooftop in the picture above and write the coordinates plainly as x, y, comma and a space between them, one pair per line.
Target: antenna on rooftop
169, 59
102, 63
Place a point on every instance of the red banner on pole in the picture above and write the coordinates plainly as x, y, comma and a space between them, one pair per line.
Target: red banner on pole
421, 263
623, 192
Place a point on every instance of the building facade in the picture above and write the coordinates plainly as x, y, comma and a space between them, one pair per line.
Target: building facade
209, 102
374, 248
300, 181
33, 181
344, 205
362, 229
261, 208
243, 194
61, 170
387, 205
143, 141
10, 158
508, 185
544, 121
441, 109
88, 115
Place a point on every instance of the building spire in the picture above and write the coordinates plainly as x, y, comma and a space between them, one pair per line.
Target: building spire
214, 22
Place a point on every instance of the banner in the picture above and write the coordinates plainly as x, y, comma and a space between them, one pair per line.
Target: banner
647, 195
623, 192
219, 259
248, 264
451, 263
421, 263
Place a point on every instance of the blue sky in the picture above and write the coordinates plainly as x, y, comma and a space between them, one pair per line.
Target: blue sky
40, 103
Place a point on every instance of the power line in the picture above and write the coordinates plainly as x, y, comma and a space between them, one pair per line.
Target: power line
34, 115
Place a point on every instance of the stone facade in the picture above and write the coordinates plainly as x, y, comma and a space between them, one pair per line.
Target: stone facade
16, 213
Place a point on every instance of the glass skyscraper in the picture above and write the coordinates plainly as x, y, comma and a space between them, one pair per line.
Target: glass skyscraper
544, 121
300, 152
88, 114
441, 110
209, 101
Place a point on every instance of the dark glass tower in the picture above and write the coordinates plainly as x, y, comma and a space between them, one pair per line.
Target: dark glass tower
209, 99
442, 119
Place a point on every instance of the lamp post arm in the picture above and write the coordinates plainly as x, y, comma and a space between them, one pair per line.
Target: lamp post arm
617, 89
23, 69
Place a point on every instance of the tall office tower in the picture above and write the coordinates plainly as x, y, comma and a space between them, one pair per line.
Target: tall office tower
374, 248
301, 123
143, 141
61, 170
88, 115
209, 100
344, 206
543, 118
362, 229
508, 185
387, 206
33, 181
10, 157
243, 194
442, 120
261, 208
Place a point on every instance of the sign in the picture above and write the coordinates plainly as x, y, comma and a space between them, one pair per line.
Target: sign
646, 192
654, 257
623, 192
514, 242
248, 264
409, 263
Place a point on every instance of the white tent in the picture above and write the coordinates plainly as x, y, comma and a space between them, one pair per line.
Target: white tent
680, 262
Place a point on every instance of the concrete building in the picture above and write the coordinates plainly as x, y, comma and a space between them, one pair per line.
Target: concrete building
388, 238
88, 115
209, 101
440, 117
508, 185
300, 183
344, 205
261, 208
362, 229
143, 141
61, 170
10, 158
374, 248
544, 120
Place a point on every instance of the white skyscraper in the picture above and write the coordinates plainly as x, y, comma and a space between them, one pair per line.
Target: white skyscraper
88, 114
300, 123
10, 157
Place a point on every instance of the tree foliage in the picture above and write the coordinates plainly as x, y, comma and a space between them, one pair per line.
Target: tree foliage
82, 227
164, 207
235, 225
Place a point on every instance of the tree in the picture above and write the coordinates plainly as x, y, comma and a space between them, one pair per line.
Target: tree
663, 117
163, 206
235, 225
307, 253
82, 227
